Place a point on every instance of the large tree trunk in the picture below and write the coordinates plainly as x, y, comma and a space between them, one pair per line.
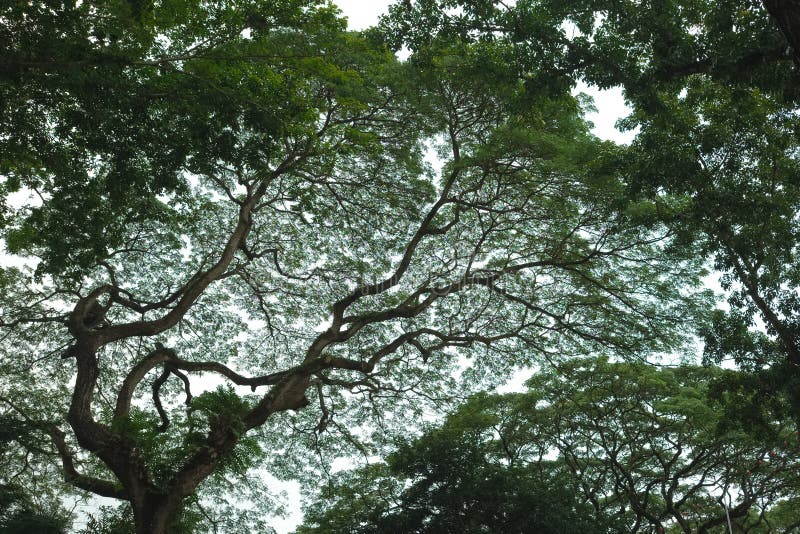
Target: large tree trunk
152, 513
787, 16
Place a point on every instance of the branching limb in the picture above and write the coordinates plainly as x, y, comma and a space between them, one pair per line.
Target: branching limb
97, 486
149, 362
192, 291
325, 417
425, 229
186, 385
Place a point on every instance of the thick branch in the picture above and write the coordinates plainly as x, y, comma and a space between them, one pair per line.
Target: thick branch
97, 486
162, 414
233, 376
786, 14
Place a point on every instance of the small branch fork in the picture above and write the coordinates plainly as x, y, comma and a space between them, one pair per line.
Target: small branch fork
168, 370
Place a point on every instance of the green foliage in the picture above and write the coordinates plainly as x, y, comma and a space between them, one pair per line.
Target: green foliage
121, 108
111, 520
224, 409
245, 182
222, 402
19, 513
119, 520
219, 410
447, 481
784, 515
636, 445
660, 431
714, 95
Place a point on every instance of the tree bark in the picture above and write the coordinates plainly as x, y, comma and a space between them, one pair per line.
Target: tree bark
152, 513
786, 14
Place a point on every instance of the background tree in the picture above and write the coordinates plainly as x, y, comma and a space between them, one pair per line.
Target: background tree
18, 513
22, 510
639, 449
466, 476
297, 249
649, 442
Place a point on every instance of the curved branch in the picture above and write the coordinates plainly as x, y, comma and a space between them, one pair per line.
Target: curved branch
191, 292
425, 229
97, 486
195, 288
149, 362
233, 376
157, 383
101, 487
186, 385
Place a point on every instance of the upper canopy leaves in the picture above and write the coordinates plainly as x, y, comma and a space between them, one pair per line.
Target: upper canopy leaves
107, 105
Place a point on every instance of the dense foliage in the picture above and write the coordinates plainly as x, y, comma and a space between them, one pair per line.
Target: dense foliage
235, 255
19, 514
592, 446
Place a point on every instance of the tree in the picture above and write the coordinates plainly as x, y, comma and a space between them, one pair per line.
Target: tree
248, 201
716, 158
465, 476
21, 510
19, 514
714, 94
639, 449
651, 444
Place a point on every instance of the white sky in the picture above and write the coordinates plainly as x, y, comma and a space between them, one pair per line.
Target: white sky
362, 13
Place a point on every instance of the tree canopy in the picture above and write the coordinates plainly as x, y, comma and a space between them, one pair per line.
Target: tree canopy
238, 252
592, 446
